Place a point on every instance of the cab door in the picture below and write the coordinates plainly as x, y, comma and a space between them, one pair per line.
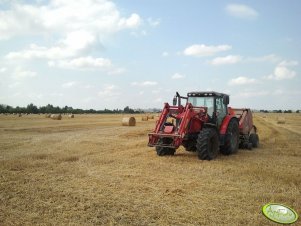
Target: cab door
221, 111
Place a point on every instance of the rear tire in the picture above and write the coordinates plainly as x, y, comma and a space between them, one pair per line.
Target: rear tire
254, 139
161, 151
231, 138
207, 144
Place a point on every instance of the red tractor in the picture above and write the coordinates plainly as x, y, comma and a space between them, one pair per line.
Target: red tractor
205, 125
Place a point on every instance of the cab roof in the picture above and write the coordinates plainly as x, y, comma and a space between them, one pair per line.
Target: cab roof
205, 94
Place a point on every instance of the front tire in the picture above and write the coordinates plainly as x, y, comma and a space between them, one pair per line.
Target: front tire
231, 139
207, 144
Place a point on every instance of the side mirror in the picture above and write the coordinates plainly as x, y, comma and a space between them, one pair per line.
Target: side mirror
174, 101
225, 99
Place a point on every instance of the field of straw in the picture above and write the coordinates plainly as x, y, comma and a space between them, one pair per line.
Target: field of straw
91, 170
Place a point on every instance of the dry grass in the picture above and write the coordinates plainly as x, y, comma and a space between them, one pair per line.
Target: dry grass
93, 171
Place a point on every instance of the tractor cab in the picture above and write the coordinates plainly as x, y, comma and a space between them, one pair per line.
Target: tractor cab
216, 104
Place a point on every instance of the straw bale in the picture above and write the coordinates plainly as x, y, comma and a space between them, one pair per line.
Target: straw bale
144, 118
150, 117
129, 121
281, 120
56, 117
71, 116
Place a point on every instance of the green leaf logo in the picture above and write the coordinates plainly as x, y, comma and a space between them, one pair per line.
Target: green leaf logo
280, 213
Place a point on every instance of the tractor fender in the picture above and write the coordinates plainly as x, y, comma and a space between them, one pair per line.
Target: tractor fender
225, 123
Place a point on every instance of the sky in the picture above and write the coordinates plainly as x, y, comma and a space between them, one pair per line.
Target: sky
111, 54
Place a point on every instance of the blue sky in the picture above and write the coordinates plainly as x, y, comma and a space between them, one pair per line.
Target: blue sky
138, 53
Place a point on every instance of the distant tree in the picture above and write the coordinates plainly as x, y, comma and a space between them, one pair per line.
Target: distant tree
42, 109
128, 110
9, 109
288, 111
297, 111
49, 108
2, 108
31, 108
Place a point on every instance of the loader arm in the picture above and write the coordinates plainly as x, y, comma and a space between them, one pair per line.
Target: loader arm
182, 115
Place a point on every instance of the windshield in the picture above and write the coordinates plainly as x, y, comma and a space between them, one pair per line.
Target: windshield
202, 102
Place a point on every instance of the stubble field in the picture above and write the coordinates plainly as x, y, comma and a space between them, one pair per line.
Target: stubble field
90, 170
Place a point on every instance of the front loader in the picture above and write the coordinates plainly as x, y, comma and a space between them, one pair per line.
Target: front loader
205, 125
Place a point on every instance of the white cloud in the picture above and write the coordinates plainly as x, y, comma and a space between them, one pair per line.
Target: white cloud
69, 84
272, 58
101, 17
117, 71
41, 52
13, 85
158, 100
77, 40
153, 22
165, 54
248, 94
88, 86
230, 59
71, 45
203, 50
83, 63
55, 94
132, 22
3, 69
282, 71
139, 33
145, 83
109, 91
177, 76
241, 11
288, 63
20, 73
241, 80
156, 91
72, 29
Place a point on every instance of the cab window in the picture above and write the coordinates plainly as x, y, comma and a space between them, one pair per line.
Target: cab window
203, 102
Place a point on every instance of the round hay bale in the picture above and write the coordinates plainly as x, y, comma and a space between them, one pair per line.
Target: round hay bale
71, 116
281, 120
150, 117
129, 121
144, 118
56, 117
47, 115
20, 115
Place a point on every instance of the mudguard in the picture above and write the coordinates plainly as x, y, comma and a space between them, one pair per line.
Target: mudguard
225, 123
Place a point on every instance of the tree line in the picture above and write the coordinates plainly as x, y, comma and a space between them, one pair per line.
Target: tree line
279, 111
49, 108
